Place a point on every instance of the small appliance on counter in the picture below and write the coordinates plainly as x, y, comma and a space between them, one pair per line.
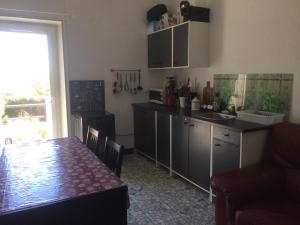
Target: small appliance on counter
195, 104
156, 96
170, 92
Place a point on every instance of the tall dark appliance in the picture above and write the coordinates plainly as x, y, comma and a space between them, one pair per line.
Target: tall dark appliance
87, 107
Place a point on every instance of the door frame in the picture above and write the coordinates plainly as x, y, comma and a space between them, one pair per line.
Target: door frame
53, 30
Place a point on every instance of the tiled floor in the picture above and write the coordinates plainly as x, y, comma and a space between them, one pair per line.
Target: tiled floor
158, 199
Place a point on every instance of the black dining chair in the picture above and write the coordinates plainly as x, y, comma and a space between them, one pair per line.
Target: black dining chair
95, 141
113, 156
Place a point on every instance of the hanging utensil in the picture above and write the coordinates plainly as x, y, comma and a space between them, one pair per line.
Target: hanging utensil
126, 86
121, 83
134, 84
140, 88
115, 85
130, 83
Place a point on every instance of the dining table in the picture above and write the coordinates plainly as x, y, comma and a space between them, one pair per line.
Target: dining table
59, 182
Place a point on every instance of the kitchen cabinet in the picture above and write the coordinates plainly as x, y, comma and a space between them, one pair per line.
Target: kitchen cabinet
180, 144
181, 46
160, 49
226, 150
196, 149
199, 153
163, 139
226, 156
144, 131
191, 150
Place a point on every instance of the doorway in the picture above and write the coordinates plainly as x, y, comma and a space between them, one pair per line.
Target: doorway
32, 87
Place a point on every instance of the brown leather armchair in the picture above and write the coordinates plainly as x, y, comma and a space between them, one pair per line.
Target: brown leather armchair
264, 194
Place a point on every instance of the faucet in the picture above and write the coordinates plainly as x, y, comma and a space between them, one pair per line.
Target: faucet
231, 111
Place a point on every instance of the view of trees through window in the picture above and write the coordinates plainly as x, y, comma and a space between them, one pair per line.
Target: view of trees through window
25, 102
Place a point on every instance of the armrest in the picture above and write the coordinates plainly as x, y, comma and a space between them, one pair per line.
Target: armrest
252, 180
233, 189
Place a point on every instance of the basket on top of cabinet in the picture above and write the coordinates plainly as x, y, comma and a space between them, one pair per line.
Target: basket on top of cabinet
180, 46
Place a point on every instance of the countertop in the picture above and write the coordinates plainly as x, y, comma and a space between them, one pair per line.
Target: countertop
233, 124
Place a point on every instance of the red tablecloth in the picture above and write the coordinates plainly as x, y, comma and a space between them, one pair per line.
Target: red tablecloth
51, 172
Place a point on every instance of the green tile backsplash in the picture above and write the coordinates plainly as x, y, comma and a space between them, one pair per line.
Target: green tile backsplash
266, 92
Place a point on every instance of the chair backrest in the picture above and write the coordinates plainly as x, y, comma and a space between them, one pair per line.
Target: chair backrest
113, 156
101, 149
93, 139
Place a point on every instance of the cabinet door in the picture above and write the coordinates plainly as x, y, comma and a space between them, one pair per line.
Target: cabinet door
163, 138
180, 138
226, 156
144, 131
160, 49
181, 45
199, 153
139, 116
149, 125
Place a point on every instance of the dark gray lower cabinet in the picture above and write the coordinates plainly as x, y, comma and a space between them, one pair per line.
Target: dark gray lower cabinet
199, 153
163, 138
144, 131
226, 156
180, 145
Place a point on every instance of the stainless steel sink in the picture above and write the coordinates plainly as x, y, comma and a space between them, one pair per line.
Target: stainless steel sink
214, 116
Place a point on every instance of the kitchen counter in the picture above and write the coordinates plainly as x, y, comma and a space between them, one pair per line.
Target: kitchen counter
234, 124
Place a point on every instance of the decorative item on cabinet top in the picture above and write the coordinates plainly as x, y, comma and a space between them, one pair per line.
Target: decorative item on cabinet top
127, 80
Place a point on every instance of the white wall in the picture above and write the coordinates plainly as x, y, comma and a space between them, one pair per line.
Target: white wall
99, 35
245, 37
257, 36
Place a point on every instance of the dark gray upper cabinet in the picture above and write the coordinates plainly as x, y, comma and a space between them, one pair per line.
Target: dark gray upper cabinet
180, 145
160, 49
163, 138
199, 153
181, 45
144, 131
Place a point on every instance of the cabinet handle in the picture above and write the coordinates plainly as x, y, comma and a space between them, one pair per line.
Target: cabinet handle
226, 135
192, 125
185, 123
217, 145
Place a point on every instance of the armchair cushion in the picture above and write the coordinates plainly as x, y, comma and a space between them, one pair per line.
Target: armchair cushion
240, 186
272, 211
249, 182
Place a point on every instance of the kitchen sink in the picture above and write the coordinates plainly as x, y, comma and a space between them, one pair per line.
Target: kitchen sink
214, 116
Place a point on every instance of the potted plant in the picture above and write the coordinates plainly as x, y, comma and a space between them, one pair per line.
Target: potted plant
183, 93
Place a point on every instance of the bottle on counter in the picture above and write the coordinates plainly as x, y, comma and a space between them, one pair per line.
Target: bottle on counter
207, 94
